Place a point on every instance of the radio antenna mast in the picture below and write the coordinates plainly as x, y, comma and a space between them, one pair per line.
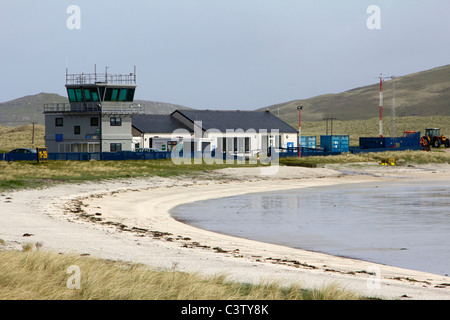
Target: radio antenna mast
381, 105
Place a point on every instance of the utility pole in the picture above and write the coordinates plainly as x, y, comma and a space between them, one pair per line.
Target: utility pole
393, 128
32, 136
326, 119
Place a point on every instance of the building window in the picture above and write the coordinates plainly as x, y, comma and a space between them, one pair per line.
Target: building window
59, 122
76, 130
123, 95
115, 121
94, 122
79, 95
118, 94
130, 95
91, 95
115, 147
111, 94
247, 145
72, 96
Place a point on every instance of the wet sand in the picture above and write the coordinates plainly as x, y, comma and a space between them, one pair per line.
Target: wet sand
129, 220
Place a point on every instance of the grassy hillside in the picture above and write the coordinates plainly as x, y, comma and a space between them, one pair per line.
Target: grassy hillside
21, 137
422, 94
27, 109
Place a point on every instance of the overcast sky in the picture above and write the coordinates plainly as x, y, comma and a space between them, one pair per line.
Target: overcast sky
220, 54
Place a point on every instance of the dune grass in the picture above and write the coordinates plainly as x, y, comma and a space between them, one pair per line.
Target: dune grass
35, 274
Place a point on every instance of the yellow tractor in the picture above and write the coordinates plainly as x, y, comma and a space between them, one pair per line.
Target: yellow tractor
433, 138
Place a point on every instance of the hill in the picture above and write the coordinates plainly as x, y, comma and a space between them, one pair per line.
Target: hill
422, 94
29, 109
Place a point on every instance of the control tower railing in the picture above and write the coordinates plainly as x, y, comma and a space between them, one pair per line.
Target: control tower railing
93, 107
93, 78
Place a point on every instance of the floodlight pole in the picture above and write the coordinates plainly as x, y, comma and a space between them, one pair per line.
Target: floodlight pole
299, 108
381, 106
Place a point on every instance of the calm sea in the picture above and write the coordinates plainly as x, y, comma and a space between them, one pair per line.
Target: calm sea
401, 224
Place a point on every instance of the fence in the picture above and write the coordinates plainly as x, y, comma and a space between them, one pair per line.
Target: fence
86, 156
131, 155
114, 156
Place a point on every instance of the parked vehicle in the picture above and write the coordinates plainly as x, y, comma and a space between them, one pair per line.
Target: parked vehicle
433, 138
148, 150
23, 150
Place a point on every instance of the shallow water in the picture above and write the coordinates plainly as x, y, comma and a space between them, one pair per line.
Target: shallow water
400, 224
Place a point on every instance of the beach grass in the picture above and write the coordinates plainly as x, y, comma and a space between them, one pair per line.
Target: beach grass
33, 274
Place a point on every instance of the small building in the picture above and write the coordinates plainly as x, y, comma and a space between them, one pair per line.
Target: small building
234, 132
97, 117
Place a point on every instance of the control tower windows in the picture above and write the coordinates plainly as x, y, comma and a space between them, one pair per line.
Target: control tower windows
91, 95
96, 94
130, 94
79, 95
72, 96
82, 95
119, 94
114, 94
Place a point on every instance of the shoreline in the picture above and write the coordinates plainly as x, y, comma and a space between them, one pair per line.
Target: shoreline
129, 220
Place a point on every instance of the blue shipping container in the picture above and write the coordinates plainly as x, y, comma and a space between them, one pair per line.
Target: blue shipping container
308, 141
410, 140
376, 142
334, 143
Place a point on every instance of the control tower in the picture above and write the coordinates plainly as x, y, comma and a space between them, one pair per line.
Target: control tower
97, 117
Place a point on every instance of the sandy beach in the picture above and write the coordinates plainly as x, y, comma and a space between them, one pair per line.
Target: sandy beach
129, 220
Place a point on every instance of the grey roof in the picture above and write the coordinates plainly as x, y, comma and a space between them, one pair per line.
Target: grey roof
157, 123
245, 120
